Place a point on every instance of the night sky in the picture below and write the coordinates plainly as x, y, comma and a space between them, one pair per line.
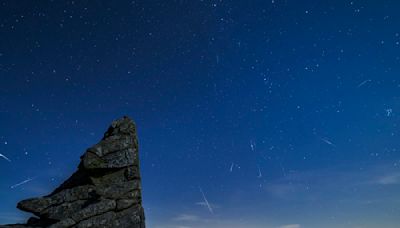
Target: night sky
250, 114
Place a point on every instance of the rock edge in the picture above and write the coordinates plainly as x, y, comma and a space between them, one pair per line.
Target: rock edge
104, 192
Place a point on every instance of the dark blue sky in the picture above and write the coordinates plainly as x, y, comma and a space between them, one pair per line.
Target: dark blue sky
284, 114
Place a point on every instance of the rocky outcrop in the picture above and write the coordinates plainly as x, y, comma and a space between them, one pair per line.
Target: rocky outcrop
104, 192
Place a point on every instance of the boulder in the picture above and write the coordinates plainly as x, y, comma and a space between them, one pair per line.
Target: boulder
104, 192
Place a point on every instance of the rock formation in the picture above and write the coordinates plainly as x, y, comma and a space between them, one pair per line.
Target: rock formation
104, 192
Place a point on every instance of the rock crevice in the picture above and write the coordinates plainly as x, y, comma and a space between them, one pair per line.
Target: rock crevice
104, 192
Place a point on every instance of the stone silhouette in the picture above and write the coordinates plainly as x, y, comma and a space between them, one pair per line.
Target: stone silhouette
104, 192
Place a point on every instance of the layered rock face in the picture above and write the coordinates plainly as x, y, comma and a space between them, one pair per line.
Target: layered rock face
105, 191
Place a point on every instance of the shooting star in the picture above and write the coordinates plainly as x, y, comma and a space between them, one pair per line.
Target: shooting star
23, 182
327, 141
6, 158
389, 112
252, 145
364, 82
206, 202
282, 168
231, 169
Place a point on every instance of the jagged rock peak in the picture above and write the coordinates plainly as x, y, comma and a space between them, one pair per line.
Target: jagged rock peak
105, 191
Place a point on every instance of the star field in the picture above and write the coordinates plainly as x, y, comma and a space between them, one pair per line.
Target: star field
258, 114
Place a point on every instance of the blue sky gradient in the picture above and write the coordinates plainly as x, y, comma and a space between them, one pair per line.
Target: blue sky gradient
256, 114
